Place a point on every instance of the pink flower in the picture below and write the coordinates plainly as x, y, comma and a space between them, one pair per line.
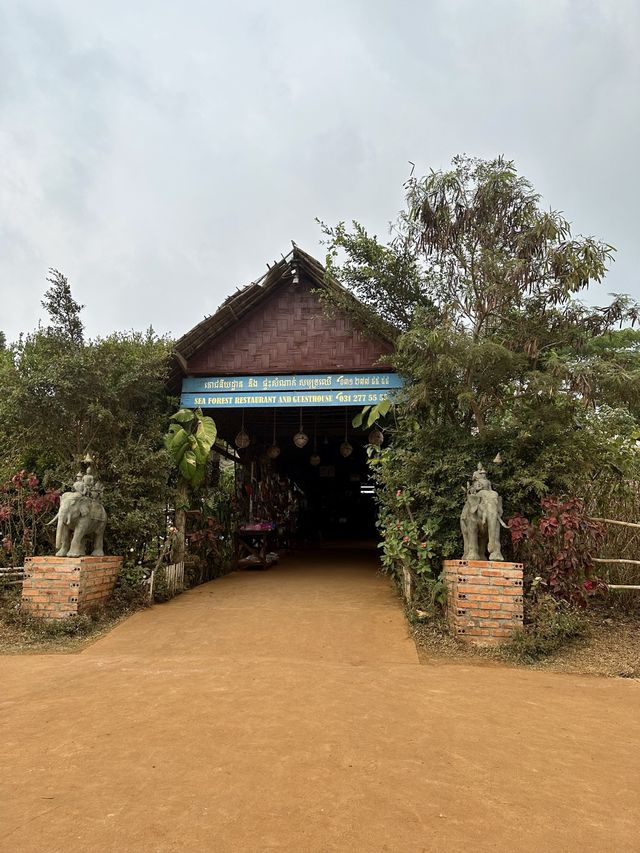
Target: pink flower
398, 493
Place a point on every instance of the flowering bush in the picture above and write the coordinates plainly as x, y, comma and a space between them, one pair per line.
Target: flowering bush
558, 549
25, 507
405, 542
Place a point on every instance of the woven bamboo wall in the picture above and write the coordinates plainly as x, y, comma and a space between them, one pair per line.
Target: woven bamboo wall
288, 333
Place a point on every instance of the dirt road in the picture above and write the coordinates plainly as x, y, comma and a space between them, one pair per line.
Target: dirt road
287, 711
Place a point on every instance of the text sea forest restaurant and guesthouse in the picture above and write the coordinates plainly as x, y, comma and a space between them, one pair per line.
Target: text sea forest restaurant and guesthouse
288, 390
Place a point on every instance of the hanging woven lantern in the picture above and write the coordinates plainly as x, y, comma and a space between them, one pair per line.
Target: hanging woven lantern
274, 451
376, 437
345, 448
242, 439
301, 439
314, 459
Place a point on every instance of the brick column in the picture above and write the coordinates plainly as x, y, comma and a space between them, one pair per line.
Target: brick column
484, 601
58, 587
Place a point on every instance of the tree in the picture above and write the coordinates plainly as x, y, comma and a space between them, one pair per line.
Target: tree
63, 310
502, 360
107, 397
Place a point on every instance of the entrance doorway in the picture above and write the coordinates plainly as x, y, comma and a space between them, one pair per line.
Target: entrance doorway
313, 492
271, 348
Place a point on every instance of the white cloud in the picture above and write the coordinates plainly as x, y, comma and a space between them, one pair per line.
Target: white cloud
160, 154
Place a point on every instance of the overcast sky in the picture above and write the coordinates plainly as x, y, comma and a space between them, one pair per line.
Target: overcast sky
160, 153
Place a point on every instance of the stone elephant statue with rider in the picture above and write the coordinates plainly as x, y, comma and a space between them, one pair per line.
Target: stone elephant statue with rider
481, 520
79, 517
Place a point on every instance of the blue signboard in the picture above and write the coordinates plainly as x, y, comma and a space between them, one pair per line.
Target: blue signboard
328, 389
277, 400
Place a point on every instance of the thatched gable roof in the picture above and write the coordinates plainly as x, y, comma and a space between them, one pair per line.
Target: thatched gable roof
290, 270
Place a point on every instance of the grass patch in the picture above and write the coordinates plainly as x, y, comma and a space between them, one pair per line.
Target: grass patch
597, 641
550, 626
24, 634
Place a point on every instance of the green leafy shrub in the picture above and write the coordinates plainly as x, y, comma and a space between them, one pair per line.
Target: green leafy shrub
502, 359
61, 399
406, 542
130, 593
80, 625
430, 594
550, 625
161, 591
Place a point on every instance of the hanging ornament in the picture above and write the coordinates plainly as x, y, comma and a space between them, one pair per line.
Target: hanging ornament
345, 448
376, 437
301, 439
315, 456
242, 439
274, 451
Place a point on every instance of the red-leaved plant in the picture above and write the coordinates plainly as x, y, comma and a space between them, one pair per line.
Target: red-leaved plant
25, 507
558, 549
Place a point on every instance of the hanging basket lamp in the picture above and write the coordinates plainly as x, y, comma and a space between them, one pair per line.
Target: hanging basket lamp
273, 451
345, 448
376, 437
301, 439
314, 459
243, 439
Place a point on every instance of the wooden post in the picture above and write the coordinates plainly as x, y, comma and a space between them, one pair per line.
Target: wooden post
214, 469
182, 501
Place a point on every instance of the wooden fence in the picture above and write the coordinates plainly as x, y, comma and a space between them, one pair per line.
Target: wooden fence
618, 560
173, 578
11, 575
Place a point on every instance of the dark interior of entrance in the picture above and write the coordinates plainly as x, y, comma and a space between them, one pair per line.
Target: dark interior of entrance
333, 492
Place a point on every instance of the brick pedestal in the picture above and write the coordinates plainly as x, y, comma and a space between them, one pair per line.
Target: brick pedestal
57, 587
484, 599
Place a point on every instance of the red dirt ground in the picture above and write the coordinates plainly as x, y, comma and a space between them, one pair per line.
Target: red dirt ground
287, 711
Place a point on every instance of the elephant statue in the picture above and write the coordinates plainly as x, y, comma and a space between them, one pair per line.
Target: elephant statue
481, 519
79, 517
